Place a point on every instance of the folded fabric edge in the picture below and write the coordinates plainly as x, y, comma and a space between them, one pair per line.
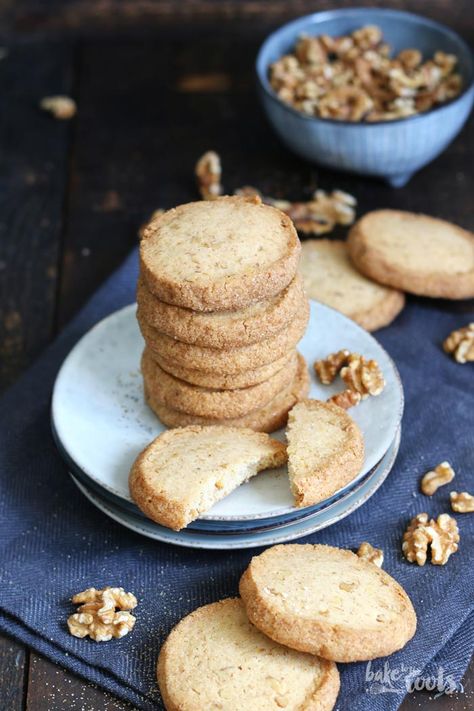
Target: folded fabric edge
20, 632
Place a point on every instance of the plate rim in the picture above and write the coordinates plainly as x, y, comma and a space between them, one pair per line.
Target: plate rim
213, 517
129, 508
253, 540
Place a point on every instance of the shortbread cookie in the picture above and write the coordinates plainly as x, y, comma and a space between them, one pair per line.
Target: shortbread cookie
267, 419
231, 360
225, 381
206, 402
185, 471
330, 277
222, 329
215, 659
327, 601
325, 450
416, 253
219, 255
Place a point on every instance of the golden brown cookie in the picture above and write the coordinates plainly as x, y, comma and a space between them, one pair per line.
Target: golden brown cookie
219, 255
231, 360
206, 402
327, 601
185, 471
415, 253
330, 277
325, 450
267, 419
225, 381
222, 329
215, 659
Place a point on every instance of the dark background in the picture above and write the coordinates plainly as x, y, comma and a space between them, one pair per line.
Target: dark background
157, 83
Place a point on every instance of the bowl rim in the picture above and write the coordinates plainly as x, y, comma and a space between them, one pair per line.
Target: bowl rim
262, 77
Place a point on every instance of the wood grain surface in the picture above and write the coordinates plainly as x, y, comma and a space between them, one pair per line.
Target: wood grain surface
157, 83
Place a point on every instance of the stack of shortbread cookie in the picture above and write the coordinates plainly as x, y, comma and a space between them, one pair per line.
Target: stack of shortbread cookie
221, 309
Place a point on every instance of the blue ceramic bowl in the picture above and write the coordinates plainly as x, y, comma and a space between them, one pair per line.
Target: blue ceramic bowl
393, 150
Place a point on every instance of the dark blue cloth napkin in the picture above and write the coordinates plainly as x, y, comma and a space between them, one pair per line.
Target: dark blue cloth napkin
54, 543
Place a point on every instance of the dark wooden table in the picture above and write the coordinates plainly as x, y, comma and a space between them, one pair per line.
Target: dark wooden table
156, 83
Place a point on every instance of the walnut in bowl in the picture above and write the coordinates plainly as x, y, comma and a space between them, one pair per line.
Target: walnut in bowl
386, 122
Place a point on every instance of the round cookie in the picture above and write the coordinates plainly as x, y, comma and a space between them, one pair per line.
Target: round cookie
206, 402
327, 601
220, 254
269, 418
416, 253
184, 472
215, 659
232, 360
225, 381
222, 329
330, 277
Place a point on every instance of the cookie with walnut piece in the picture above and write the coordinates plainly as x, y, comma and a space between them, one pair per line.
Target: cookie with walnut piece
216, 659
416, 253
327, 601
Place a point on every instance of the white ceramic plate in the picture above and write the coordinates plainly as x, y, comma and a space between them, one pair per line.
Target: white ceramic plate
195, 539
102, 422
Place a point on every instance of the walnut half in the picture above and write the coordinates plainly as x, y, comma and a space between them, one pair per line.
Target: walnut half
462, 502
444, 535
416, 540
439, 476
460, 344
327, 368
373, 555
363, 376
102, 614
346, 398
208, 172
440, 535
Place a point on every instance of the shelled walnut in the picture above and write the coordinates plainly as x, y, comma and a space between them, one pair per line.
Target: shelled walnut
346, 399
460, 344
439, 476
354, 78
368, 552
208, 175
440, 535
363, 376
327, 368
102, 614
444, 538
462, 502
416, 540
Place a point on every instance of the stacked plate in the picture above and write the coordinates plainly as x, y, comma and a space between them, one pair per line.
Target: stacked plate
101, 422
